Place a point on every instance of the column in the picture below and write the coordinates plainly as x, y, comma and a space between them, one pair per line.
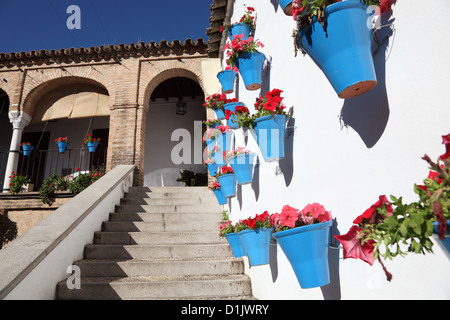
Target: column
19, 121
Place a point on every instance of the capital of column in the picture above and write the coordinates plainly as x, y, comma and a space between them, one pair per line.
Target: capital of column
19, 119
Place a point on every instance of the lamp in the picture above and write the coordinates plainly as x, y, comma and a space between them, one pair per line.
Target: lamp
181, 107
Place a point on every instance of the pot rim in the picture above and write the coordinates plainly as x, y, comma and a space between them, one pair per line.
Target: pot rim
311, 227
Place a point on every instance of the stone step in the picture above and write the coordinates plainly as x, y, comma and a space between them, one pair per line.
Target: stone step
159, 268
169, 217
172, 190
160, 226
180, 287
126, 238
122, 252
169, 208
189, 200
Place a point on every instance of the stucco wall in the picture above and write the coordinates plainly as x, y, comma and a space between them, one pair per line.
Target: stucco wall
345, 153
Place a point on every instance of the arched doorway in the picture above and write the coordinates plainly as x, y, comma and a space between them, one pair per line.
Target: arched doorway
68, 107
5, 135
173, 135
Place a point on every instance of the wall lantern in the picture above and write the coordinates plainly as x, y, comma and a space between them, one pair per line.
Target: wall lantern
181, 107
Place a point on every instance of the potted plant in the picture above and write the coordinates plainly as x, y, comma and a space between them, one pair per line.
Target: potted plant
62, 143
244, 27
227, 230
389, 229
241, 160
227, 180
249, 61
337, 37
216, 102
91, 143
227, 79
216, 188
232, 112
212, 123
20, 183
27, 148
255, 234
303, 235
211, 165
224, 139
210, 137
269, 123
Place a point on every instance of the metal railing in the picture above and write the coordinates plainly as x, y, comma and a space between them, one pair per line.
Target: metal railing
40, 164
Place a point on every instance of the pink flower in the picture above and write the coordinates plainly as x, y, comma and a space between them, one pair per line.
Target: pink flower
274, 219
353, 247
288, 216
316, 211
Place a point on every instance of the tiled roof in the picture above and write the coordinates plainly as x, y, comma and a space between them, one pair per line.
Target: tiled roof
107, 52
219, 10
220, 13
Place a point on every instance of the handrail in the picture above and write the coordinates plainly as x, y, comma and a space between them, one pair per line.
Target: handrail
32, 265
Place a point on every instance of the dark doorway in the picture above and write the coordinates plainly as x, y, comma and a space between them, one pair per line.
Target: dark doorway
100, 155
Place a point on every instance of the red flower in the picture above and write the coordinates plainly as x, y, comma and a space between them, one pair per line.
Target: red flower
228, 114
353, 248
226, 170
263, 216
370, 214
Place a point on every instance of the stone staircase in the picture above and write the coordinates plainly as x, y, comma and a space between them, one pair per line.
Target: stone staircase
159, 244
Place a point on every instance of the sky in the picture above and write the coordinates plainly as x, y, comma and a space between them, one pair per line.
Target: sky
28, 25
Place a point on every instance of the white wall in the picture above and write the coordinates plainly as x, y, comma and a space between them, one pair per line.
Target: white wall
345, 153
162, 121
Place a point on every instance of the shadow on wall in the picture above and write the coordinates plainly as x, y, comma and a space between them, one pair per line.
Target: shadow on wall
368, 114
332, 291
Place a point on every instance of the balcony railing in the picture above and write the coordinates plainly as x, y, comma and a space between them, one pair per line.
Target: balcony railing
42, 163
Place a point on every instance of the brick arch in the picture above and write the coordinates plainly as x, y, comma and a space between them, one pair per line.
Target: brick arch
8, 88
34, 95
164, 70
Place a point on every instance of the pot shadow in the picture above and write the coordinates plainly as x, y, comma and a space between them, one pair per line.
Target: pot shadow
287, 163
275, 5
368, 114
332, 291
255, 181
265, 80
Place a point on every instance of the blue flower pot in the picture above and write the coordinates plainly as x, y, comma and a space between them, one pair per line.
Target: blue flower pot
27, 149
227, 78
224, 141
228, 184
220, 196
92, 146
250, 66
242, 166
256, 243
306, 248
220, 114
62, 146
286, 5
270, 134
212, 168
218, 158
210, 144
342, 48
232, 121
237, 29
236, 245
446, 241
